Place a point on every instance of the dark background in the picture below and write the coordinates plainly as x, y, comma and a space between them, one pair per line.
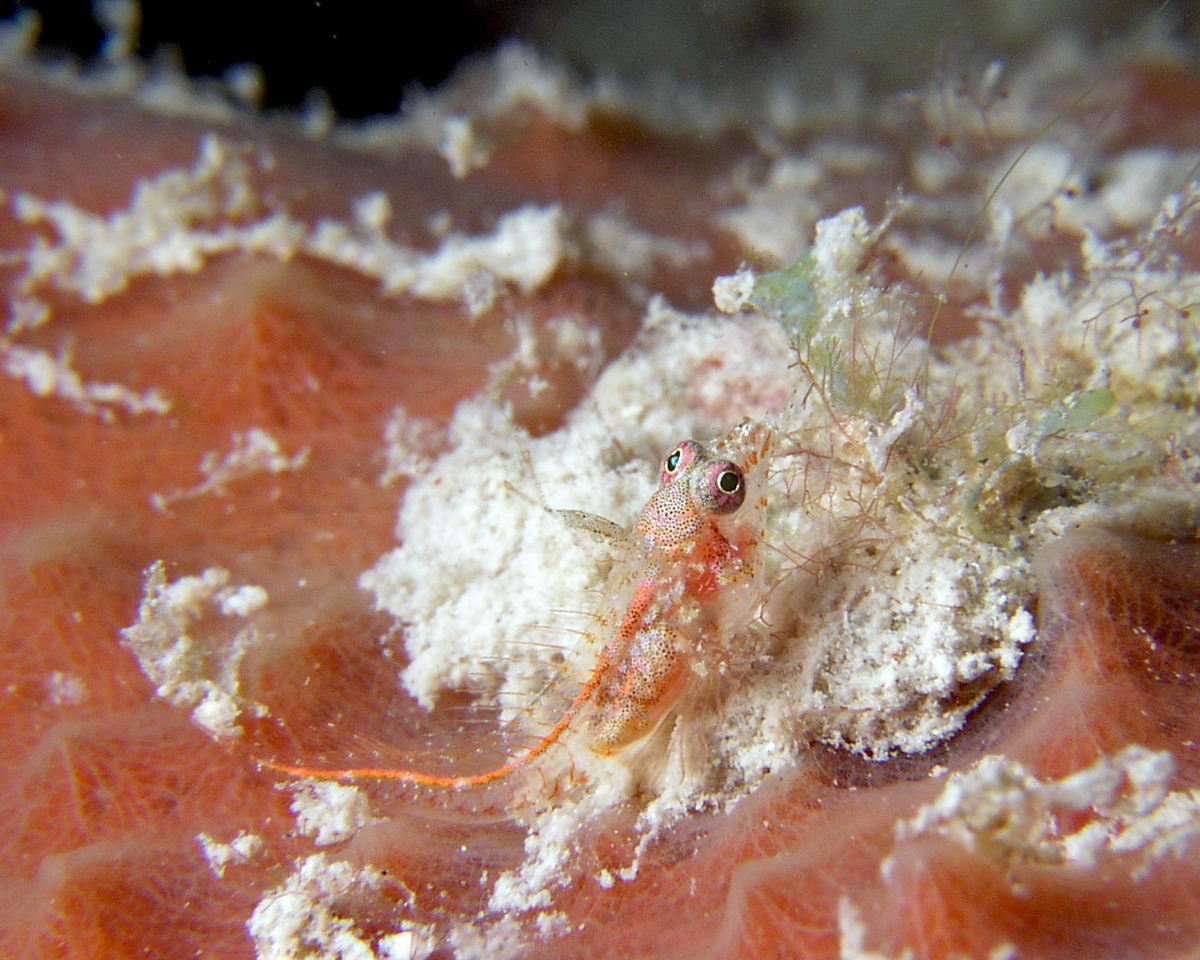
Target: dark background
366, 53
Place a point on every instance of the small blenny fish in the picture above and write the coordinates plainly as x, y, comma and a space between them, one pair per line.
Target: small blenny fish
692, 562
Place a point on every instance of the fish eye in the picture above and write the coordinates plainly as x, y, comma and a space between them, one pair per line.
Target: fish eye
729, 482
680, 460
726, 488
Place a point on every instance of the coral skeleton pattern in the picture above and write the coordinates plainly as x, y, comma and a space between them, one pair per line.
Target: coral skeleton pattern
925, 622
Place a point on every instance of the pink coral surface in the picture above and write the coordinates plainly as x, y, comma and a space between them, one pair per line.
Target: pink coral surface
105, 788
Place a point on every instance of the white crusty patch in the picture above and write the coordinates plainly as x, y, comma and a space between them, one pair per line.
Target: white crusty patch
460, 146
174, 223
411, 445
177, 220
329, 812
237, 851
999, 809
49, 376
525, 248
253, 451
303, 918
195, 669
731, 294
